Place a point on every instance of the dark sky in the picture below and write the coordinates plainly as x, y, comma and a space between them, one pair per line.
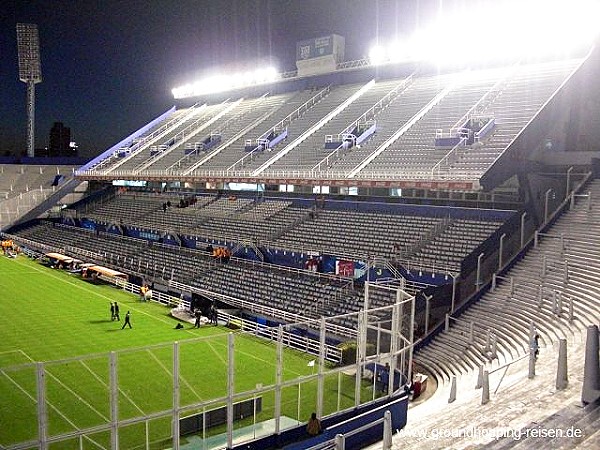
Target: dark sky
108, 66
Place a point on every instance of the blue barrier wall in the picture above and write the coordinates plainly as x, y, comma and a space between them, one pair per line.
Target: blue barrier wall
297, 438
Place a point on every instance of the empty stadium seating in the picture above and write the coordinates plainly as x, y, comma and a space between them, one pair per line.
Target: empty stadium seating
541, 296
403, 146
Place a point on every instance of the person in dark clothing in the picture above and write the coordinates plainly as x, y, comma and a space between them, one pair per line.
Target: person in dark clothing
213, 314
117, 312
112, 311
535, 345
127, 322
198, 315
313, 427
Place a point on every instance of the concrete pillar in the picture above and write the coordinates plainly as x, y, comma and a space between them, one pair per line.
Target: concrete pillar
570, 309
591, 371
485, 393
452, 391
471, 333
479, 378
340, 442
531, 364
562, 378
387, 430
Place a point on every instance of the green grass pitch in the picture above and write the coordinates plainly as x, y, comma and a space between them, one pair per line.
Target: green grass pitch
51, 315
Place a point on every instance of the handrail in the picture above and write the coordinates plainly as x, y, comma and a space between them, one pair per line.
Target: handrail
314, 128
414, 119
181, 137
446, 157
487, 98
281, 124
184, 138
295, 114
371, 112
155, 135
233, 139
333, 353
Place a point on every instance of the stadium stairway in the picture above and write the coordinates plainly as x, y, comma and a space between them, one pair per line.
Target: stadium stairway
557, 276
516, 404
584, 420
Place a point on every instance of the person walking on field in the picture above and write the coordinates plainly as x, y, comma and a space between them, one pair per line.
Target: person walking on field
112, 311
127, 322
117, 312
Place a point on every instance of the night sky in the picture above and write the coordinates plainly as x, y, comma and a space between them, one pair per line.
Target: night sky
108, 66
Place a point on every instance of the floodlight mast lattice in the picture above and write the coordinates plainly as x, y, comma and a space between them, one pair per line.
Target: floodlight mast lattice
30, 72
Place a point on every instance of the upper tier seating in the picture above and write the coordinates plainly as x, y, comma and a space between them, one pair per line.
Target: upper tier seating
402, 147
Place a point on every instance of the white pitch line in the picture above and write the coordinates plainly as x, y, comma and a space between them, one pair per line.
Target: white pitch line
166, 369
9, 351
81, 399
154, 317
35, 401
47, 402
101, 381
79, 286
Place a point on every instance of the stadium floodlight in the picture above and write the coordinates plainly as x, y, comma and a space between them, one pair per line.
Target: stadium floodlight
500, 31
223, 83
378, 55
30, 72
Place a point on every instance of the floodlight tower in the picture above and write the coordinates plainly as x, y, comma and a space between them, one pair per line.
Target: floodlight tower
30, 72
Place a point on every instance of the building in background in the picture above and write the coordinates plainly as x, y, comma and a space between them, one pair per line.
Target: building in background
60, 143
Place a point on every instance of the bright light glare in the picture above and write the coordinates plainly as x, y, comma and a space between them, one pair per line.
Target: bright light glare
377, 55
222, 83
504, 30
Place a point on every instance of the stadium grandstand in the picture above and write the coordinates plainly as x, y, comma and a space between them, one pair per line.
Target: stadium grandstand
426, 234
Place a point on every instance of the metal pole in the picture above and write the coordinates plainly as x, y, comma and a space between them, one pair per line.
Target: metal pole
176, 395
568, 181
478, 281
321, 376
395, 329
500, 250
366, 303
453, 293
360, 354
114, 401
547, 197
411, 336
523, 229
278, 379
42, 412
31, 118
427, 309
230, 387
